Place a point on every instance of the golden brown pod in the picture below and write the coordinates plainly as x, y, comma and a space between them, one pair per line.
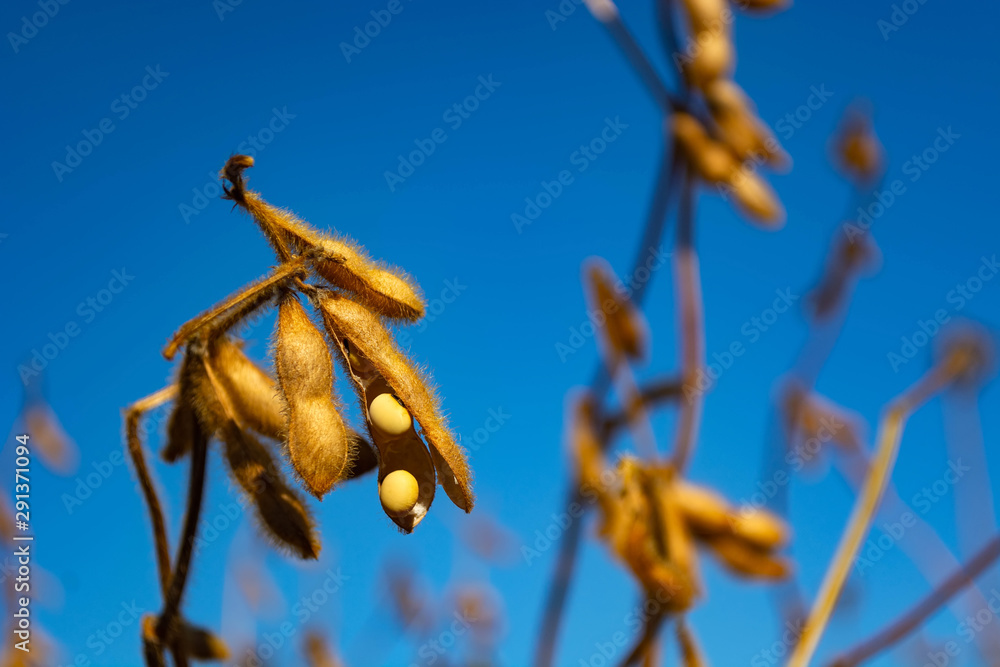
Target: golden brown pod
758, 528
624, 326
739, 127
756, 198
347, 320
856, 149
282, 513
712, 160
201, 644
705, 511
403, 458
343, 263
318, 443
180, 432
743, 559
714, 57
707, 15
254, 393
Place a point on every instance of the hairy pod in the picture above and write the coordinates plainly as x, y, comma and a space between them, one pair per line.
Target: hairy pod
371, 341
180, 432
405, 466
318, 443
341, 262
282, 513
254, 392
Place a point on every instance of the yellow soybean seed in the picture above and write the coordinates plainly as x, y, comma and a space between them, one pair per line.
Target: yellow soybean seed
398, 492
388, 416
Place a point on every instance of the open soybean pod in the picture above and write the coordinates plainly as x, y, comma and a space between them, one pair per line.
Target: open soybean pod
343, 263
318, 443
406, 475
282, 513
368, 337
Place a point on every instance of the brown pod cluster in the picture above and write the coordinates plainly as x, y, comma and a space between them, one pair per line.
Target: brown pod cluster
714, 162
372, 357
282, 514
624, 326
318, 443
644, 527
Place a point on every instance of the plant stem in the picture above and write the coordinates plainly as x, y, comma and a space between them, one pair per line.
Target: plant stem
890, 434
196, 490
133, 414
918, 614
691, 317
555, 602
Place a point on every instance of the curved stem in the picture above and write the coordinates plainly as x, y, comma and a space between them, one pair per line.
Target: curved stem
196, 489
606, 12
133, 415
890, 434
916, 616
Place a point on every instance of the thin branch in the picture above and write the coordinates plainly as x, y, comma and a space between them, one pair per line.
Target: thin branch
647, 396
606, 12
196, 488
691, 317
923, 610
133, 414
890, 435
648, 638
555, 602
243, 301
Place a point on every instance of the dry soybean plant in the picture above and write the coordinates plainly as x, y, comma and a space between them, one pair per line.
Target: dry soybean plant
654, 520
220, 394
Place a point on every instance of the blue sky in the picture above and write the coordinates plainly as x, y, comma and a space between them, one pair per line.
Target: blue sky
200, 79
